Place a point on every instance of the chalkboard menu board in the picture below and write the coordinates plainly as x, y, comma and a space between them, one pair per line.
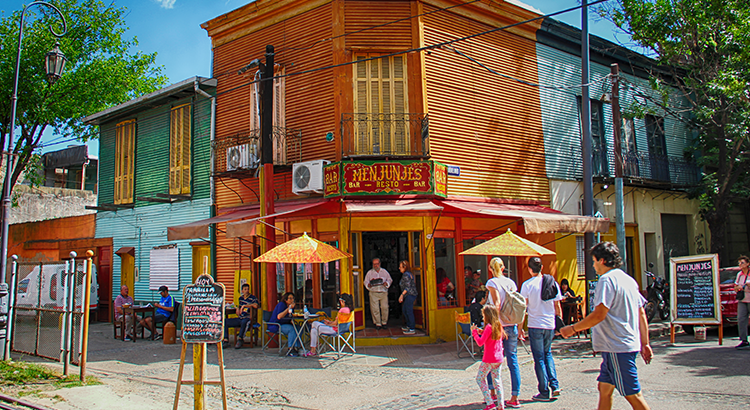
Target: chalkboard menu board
203, 311
695, 289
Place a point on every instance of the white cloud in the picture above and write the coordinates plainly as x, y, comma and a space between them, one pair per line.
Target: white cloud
167, 4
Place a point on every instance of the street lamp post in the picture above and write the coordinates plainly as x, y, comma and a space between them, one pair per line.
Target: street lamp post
54, 64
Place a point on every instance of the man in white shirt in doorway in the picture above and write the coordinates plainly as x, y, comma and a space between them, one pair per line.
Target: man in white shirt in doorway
377, 282
541, 330
619, 328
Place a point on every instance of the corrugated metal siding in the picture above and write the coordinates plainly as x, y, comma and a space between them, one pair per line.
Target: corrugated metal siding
201, 164
309, 97
145, 227
561, 118
152, 153
488, 125
106, 194
364, 14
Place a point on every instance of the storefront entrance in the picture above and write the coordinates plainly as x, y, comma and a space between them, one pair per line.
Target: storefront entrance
390, 248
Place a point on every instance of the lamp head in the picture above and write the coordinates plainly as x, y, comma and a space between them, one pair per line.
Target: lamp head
54, 62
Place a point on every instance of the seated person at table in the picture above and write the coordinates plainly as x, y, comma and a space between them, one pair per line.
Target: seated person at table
444, 287
473, 283
330, 326
569, 299
282, 314
123, 299
163, 311
244, 317
475, 309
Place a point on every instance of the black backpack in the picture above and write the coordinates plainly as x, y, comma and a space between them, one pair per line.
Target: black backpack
549, 287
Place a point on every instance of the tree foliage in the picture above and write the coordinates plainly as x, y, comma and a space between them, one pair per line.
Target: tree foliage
102, 70
705, 44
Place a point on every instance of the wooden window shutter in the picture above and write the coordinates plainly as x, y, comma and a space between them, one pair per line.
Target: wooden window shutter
380, 94
179, 152
124, 156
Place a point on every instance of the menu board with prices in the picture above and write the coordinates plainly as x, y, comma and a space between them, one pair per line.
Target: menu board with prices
203, 311
695, 289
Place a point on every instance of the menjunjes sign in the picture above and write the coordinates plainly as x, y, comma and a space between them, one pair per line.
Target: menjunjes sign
386, 178
695, 289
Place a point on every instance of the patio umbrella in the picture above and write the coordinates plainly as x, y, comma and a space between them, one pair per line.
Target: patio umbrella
508, 244
303, 250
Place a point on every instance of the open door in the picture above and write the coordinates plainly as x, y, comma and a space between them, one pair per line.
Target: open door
358, 275
416, 258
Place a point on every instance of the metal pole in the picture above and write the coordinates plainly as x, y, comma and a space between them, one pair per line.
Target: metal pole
11, 309
69, 338
64, 317
588, 181
86, 301
9, 160
266, 145
619, 200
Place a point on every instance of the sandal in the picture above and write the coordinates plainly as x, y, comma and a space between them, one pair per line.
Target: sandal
309, 354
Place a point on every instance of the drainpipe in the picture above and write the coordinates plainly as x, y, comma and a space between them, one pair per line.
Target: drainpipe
212, 234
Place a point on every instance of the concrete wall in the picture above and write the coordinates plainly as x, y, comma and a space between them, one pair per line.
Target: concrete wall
42, 203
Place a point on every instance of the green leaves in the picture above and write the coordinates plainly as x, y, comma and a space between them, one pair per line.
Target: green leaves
102, 71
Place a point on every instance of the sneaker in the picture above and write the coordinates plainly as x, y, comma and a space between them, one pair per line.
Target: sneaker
540, 397
743, 345
513, 404
378, 327
157, 337
225, 344
310, 354
410, 332
128, 338
490, 407
293, 353
404, 328
239, 343
556, 392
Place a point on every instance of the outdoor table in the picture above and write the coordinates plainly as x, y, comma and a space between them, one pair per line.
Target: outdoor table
134, 310
299, 321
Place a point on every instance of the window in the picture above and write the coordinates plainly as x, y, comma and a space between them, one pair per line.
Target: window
598, 141
629, 148
124, 159
657, 148
164, 268
330, 282
179, 150
380, 102
279, 112
445, 272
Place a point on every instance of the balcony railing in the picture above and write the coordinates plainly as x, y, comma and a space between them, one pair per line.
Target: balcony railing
645, 166
378, 135
241, 152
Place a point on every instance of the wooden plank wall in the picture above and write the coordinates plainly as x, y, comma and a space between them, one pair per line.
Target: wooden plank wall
488, 125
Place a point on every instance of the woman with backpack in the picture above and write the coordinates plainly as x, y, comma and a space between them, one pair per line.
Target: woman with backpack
497, 287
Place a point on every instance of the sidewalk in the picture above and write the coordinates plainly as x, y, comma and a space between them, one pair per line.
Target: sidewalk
143, 375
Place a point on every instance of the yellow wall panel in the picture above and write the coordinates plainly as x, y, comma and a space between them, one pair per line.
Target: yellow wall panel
328, 224
304, 225
376, 224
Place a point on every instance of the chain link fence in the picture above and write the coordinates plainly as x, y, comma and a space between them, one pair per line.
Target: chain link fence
42, 294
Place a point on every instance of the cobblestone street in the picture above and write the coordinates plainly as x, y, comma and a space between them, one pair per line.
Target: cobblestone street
689, 375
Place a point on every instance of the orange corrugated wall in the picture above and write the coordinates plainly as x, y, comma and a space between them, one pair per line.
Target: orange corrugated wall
488, 125
363, 14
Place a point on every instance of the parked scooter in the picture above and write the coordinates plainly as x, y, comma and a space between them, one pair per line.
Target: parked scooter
657, 294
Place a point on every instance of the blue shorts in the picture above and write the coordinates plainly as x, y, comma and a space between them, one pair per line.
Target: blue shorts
618, 369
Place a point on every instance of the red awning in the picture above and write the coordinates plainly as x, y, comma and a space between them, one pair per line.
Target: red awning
536, 219
398, 205
199, 229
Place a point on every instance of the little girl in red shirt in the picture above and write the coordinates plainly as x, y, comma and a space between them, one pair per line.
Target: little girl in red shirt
492, 339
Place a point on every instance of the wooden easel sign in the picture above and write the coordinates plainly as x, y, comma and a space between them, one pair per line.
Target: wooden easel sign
202, 323
695, 296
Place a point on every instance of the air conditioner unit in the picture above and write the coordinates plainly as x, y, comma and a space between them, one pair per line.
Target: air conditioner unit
307, 177
598, 207
244, 156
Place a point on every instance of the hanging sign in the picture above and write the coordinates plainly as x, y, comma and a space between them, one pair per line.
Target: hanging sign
203, 311
386, 178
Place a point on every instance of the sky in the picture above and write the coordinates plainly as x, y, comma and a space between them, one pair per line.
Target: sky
171, 28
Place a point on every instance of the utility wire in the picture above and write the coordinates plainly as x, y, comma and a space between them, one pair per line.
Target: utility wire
413, 50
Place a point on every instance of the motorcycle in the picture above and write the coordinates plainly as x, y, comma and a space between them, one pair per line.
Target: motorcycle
657, 295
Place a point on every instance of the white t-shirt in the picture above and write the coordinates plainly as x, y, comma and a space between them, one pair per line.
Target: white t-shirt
541, 313
500, 284
619, 332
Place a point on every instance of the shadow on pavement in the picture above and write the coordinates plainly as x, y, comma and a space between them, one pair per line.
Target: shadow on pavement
707, 358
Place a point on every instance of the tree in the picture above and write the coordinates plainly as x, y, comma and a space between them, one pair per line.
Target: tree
705, 45
102, 71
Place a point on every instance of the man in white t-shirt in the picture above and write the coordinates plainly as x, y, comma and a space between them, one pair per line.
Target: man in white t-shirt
619, 328
541, 330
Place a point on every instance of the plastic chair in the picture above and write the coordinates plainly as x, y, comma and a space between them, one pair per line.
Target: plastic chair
464, 339
340, 340
271, 335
